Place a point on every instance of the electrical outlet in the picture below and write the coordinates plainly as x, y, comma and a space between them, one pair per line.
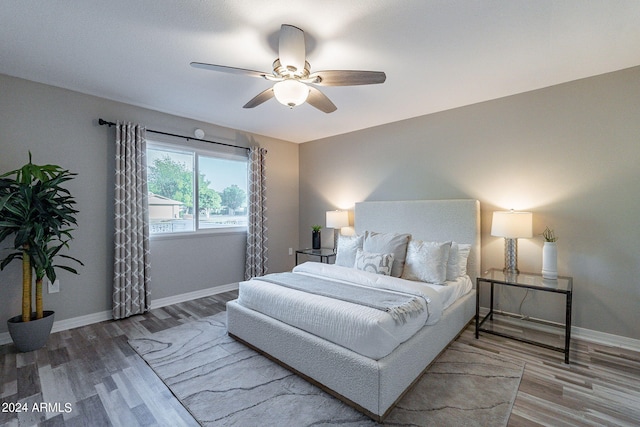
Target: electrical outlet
290, 251
54, 287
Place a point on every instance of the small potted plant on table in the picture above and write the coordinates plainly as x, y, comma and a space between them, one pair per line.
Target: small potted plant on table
39, 213
315, 236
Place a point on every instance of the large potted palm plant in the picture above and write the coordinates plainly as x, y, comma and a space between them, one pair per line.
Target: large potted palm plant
39, 213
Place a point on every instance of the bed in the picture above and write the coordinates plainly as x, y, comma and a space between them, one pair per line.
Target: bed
370, 382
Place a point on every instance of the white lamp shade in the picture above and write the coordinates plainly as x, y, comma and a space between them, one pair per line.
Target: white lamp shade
291, 92
512, 225
337, 219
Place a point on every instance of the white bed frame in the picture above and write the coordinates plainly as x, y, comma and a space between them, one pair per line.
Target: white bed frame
374, 386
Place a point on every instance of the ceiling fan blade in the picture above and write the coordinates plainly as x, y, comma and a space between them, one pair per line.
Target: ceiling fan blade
320, 101
347, 77
291, 49
260, 98
231, 70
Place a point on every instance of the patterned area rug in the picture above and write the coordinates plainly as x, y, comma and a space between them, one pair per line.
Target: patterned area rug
223, 383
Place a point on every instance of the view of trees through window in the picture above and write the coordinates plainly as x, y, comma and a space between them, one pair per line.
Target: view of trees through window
221, 190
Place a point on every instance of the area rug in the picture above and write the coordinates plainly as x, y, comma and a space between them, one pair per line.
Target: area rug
223, 383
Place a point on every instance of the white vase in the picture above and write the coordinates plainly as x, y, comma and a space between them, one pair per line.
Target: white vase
550, 260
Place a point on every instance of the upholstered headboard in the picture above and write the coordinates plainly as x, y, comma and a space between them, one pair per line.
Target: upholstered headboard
430, 220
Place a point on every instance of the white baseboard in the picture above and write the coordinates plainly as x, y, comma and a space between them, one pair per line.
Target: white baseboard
605, 338
590, 335
75, 322
163, 302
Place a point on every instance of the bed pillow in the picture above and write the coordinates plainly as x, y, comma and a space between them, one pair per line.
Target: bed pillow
463, 255
388, 243
427, 261
347, 248
374, 263
458, 255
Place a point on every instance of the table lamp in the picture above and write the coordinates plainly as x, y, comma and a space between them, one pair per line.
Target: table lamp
337, 220
512, 225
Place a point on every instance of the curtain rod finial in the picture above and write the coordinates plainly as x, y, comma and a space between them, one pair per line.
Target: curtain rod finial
102, 122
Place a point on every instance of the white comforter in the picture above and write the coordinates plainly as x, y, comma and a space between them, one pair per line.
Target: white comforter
365, 330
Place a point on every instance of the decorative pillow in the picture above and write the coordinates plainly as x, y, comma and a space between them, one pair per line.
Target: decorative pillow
347, 249
463, 255
388, 243
374, 263
427, 261
457, 264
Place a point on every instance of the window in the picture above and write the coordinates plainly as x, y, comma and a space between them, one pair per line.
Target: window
221, 189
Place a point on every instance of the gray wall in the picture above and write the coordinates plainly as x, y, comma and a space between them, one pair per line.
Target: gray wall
569, 153
60, 126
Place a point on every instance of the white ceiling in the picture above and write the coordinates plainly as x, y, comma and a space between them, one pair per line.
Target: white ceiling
437, 54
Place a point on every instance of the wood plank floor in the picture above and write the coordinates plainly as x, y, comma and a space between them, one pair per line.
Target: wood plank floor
89, 376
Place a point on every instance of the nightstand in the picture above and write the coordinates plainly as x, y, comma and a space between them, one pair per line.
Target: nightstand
562, 286
324, 253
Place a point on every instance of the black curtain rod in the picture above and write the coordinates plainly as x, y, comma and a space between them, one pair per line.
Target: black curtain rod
102, 122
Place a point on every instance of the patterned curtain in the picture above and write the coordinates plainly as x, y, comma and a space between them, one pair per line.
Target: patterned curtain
131, 268
256, 263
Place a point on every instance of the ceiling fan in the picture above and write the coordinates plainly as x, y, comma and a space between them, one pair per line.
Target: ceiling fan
294, 81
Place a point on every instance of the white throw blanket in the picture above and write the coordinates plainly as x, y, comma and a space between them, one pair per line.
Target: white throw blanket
399, 305
365, 278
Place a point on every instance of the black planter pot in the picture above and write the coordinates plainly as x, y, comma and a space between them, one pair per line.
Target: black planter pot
30, 336
315, 239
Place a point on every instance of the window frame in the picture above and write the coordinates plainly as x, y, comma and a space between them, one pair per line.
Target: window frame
197, 152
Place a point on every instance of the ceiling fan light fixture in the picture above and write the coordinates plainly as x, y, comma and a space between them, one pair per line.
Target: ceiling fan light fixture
293, 82
291, 92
